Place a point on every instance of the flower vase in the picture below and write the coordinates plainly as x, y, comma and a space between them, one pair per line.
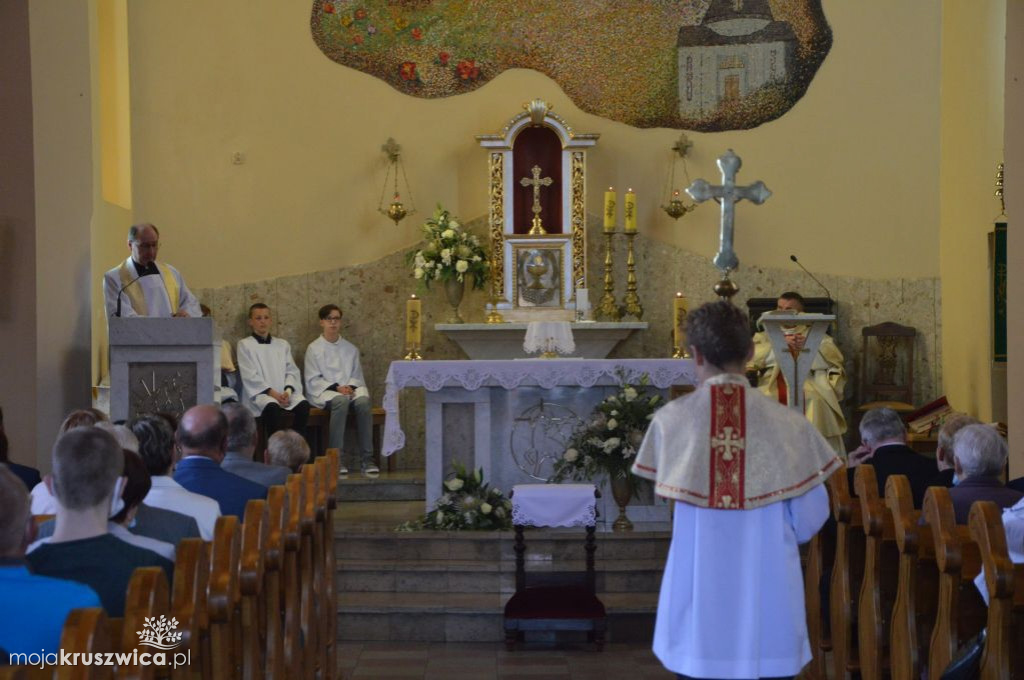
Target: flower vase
453, 291
622, 492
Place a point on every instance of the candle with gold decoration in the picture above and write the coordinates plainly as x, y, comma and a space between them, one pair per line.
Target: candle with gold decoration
629, 208
679, 326
413, 326
609, 209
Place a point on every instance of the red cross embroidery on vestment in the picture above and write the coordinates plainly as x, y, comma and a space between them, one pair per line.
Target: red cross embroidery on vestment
728, 446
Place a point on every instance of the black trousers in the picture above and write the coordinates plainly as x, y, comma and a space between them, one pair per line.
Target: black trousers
276, 418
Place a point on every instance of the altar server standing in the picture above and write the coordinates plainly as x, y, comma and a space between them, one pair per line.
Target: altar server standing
271, 383
747, 475
143, 287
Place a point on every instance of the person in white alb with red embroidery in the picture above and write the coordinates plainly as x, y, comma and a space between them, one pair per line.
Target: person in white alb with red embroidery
747, 475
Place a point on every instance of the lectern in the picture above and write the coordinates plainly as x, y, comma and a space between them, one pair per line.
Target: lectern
795, 366
161, 365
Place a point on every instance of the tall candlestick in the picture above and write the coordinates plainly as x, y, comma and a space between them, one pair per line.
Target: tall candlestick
679, 327
607, 309
609, 209
630, 212
413, 327
632, 300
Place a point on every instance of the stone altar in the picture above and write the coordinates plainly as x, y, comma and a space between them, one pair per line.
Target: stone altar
594, 340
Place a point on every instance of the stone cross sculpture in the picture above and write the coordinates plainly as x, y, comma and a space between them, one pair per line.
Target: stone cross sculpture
728, 194
537, 182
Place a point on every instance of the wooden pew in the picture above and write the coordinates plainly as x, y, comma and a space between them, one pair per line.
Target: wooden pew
913, 613
881, 571
960, 612
847, 570
148, 597
85, 631
328, 606
291, 597
311, 572
820, 553
250, 587
188, 604
1004, 652
222, 598
271, 628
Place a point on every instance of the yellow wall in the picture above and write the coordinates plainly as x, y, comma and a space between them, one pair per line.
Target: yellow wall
972, 144
855, 162
1014, 137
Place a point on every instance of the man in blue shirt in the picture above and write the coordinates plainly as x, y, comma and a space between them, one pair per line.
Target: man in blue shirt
35, 606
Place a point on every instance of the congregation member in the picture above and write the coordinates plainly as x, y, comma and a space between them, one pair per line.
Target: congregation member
946, 475
202, 440
156, 448
747, 476
979, 456
287, 449
883, 439
271, 383
35, 606
28, 475
141, 287
334, 381
823, 389
241, 447
87, 468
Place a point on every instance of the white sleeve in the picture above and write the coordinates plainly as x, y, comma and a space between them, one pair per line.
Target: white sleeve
187, 302
357, 379
111, 288
253, 380
292, 376
316, 382
807, 513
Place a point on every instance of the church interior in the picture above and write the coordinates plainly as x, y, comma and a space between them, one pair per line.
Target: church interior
260, 159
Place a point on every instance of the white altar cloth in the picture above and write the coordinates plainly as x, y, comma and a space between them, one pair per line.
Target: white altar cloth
554, 505
512, 373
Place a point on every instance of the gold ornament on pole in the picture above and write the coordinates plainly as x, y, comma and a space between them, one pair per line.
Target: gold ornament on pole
396, 210
413, 328
632, 301
676, 208
607, 309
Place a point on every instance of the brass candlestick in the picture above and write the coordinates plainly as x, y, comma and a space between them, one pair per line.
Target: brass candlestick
725, 288
608, 310
632, 300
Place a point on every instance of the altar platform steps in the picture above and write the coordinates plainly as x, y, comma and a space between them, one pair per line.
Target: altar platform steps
400, 485
452, 586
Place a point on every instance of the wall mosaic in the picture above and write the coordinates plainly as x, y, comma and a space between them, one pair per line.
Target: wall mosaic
707, 65
373, 296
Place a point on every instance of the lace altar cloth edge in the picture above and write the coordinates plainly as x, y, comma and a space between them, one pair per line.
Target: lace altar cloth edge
554, 505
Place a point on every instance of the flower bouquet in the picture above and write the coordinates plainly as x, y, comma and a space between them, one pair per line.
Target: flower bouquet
607, 445
467, 503
448, 252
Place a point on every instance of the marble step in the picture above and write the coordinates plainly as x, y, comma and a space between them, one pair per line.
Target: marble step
468, 617
477, 576
354, 487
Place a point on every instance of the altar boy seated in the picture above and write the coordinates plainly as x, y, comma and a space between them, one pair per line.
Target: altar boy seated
271, 383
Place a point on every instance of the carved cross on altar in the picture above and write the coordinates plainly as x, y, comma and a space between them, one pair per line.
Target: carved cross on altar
728, 194
537, 182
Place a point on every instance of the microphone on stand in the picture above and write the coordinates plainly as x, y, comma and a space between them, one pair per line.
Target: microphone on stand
117, 312
831, 302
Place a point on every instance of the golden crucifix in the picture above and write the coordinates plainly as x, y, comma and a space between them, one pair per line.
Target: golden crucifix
537, 183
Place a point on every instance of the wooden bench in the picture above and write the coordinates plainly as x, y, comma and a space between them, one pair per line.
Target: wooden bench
913, 613
188, 604
271, 623
319, 425
250, 587
820, 553
847, 570
223, 598
290, 612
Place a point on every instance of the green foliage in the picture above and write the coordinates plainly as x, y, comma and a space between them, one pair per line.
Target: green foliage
466, 503
448, 252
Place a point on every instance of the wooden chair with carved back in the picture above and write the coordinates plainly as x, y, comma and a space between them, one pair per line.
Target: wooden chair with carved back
1004, 652
250, 587
311, 572
847, 573
188, 604
271, 624
291, 599
147, 600
86, 631
960, 612
326, 602
820, 554
913, 612
881, 572
222, 598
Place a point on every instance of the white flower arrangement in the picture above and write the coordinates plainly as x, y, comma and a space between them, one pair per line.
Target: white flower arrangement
448, 252
467, 503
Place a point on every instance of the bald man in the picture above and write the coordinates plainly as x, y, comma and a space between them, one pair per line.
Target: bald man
143, 287
202, 439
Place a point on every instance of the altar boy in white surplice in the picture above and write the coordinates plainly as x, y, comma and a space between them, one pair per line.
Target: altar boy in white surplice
747, 475
334, 381
271, 382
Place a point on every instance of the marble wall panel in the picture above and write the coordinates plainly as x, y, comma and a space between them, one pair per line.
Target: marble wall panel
373, 296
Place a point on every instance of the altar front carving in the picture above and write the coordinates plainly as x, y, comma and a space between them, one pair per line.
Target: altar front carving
537, 214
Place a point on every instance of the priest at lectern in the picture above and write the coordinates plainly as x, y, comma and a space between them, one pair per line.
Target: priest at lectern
823, 389
141, 287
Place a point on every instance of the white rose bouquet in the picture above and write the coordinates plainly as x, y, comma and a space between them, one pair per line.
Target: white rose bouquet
448, 252
466, 503
607, 445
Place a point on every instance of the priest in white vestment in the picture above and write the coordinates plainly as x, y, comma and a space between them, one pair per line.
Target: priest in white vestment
747, 475
271, 382
823, 389
143, 287
334, 381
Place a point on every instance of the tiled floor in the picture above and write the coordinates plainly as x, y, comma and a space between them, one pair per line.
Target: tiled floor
491, 661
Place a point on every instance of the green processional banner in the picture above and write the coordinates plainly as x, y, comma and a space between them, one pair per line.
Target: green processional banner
999, 294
